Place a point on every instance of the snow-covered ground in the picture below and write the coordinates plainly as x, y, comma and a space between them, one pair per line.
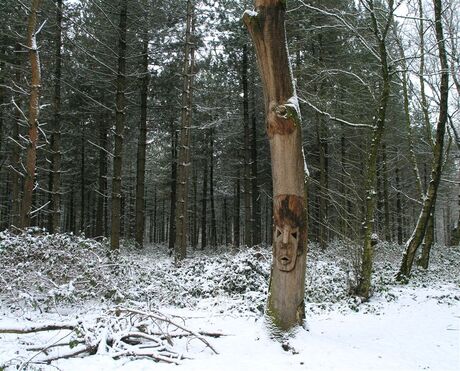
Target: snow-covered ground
403, 327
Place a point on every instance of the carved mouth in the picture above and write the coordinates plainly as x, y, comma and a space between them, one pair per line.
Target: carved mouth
284, 260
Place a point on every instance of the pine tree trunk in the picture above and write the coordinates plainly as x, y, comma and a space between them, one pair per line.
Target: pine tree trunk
82, 182
322, 194
386, 200
173, 193
247, 169
287, 281
211, 190
55, 174
204, 211
141, 148
34, 110
256, 202
399, 218
195, 209
119, 129
15, 150
455, 233
436, 169
236, 212
184, 144
101, 222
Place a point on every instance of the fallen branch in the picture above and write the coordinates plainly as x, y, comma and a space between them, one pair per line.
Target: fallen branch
37, 328
160, 317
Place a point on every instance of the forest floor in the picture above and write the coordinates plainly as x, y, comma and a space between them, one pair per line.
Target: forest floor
215, 300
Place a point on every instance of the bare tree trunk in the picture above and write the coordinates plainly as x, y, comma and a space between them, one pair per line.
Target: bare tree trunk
101, 222
34, 110
226, 239
322, 194
173, 193
82, 182
247, 169
236, 213
436, 169
211, 190
399, 219
380, 32
287, 281
119, 128
141, 148
184, 145
195, 209
204, 208
256, 202
55, 175
386, 201
15, 151
427, 243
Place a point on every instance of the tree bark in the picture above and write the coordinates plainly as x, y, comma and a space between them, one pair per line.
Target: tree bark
101, 217
34, 110
213, 236
15, 150
141, 147
119, 128
204, 208
184, 144
82, 182
173, 192
55, 175
285, 304
195, 228
236, 212
364, 285
399, 218
427, 243
248, 231
256, 202
436, 169
386, 201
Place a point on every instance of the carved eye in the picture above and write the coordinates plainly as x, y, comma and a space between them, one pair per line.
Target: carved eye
278, 233
294, 235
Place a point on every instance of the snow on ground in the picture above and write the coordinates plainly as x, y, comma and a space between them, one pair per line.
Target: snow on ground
403, 327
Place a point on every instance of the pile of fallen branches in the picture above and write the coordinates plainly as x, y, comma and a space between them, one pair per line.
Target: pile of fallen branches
120, 332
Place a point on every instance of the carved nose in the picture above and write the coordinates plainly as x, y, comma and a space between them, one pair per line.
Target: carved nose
285, 235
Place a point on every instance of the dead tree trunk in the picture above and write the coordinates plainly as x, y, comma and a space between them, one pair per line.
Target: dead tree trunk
34, 109
119, 128
141, 147
183, 161
436, 169
287, 280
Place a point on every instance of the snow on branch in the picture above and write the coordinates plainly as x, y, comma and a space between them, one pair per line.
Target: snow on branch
336, 119
119, 332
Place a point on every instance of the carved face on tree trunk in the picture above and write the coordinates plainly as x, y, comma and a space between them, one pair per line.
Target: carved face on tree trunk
286, 247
